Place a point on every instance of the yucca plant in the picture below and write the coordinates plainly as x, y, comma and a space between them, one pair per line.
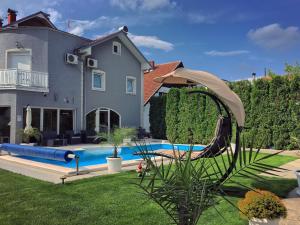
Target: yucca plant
184, 189
117, 136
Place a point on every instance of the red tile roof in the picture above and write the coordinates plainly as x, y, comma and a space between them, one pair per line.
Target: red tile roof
150, 86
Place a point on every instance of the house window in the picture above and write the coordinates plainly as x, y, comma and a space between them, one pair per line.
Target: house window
50, 120
116, 48
18, 59
130, 85
98, 82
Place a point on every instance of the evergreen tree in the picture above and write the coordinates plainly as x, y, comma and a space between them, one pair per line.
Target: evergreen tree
172, 115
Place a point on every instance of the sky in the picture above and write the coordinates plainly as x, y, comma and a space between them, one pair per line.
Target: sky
231, 39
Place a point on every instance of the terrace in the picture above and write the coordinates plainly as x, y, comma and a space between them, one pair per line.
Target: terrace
23, 80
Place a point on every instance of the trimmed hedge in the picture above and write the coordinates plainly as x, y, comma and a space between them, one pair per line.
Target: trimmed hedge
157, 114
272, 113
187, 117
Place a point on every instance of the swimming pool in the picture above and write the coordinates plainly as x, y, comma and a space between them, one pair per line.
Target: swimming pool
97, 155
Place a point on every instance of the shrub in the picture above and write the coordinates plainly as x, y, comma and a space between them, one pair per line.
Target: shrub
30, 135
172, 115
117, 136
262, 204
157, 114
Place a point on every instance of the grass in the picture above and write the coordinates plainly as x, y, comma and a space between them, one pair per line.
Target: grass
109, 200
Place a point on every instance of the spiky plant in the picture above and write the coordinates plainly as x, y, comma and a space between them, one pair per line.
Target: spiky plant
184, 189
117, 136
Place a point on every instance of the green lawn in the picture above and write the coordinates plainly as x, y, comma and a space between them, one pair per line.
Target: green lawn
107, 200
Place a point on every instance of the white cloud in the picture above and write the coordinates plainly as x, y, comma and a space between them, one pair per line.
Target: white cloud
54, 14
146, 5
151, 42
226, 53
202, 18
275, 36
79, 27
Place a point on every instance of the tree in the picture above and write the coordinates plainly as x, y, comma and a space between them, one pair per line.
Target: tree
172, 115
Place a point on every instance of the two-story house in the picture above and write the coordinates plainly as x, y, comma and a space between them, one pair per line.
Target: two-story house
70, 82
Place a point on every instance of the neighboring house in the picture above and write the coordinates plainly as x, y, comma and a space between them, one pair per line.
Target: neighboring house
152, 88
70, 82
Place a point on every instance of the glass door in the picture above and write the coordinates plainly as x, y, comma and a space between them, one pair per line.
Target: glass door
4, 124
104, 120
66, 121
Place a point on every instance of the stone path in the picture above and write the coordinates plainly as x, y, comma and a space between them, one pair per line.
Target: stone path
292, 202
289, 173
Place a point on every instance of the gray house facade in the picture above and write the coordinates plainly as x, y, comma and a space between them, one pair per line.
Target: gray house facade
70, 82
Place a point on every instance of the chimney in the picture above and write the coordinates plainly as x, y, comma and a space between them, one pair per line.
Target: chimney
152, 64
11, 16
253, 76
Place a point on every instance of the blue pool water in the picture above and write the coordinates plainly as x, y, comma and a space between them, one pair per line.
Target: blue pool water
97, 155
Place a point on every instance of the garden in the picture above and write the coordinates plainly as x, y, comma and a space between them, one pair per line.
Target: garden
111, 200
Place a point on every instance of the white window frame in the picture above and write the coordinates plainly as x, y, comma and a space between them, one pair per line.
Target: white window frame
119, 46
18, 50
134, 87
103, 81
42, 109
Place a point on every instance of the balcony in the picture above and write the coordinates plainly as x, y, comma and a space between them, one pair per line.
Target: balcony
23, 80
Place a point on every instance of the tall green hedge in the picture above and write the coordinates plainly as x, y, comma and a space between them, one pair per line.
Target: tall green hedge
157, 114
171, 118
272, 109
190, 118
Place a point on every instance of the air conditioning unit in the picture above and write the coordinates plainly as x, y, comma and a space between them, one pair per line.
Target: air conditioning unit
71, 59
92, 63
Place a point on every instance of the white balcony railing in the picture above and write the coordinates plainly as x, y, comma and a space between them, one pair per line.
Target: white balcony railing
24, 80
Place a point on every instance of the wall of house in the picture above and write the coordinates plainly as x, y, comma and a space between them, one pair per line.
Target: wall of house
48, 55
48, 51
114, 97
8, 99
34, 39
64, 79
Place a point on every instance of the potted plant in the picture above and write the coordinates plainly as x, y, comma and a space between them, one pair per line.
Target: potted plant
30, 136
298, 178
116, 138
262, 207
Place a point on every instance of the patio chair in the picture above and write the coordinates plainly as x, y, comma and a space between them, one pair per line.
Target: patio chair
73, 139
91, 137
50, 138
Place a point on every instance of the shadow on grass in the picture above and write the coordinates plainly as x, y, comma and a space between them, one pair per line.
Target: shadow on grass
279, 186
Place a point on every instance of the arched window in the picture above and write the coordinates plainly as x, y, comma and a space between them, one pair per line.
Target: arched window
102, 120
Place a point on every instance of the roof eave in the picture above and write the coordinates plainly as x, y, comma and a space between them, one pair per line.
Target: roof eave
129, 44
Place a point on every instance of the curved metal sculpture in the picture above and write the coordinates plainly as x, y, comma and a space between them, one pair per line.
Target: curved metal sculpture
219, 143
225, 99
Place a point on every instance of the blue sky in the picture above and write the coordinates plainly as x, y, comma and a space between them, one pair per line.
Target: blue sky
231, 39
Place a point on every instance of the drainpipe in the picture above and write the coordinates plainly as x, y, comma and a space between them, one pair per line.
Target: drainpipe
81, 96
